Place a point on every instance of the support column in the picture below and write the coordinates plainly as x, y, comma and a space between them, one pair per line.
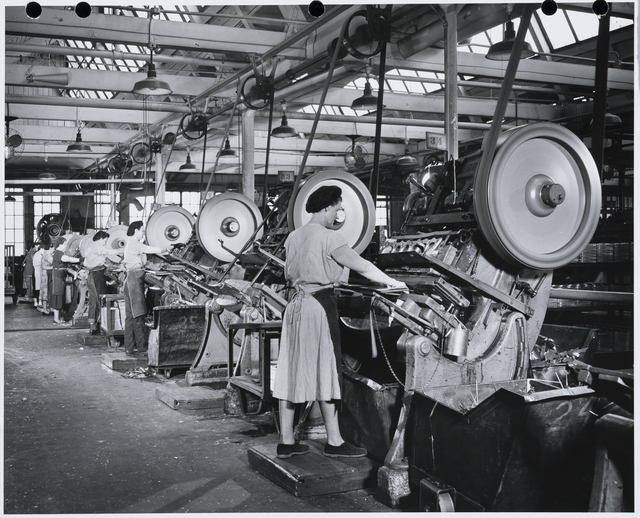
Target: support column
161, 182
248, 152
451, 81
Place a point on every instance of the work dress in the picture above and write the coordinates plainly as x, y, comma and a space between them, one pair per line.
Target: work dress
58, 281
309, 361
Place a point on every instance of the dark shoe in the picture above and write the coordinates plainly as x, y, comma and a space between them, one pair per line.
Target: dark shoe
130, 353
284, 451
95, 331
344, 450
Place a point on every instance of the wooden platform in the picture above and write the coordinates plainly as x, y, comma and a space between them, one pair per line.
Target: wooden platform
89, 340
313, 473
119, 361
190, 398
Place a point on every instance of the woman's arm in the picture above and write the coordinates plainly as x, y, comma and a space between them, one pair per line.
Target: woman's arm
347, 257
69, 259
155, 250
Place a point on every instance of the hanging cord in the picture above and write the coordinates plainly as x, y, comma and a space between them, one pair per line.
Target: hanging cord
453, 168
222, 143
266, 162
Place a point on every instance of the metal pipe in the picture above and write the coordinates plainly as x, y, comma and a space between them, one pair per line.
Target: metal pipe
391, 121
213, 15
68, 182
115, 104
619, 297
115, 54
48, 193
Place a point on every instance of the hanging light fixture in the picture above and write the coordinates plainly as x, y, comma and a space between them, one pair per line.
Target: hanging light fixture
284, 130
9, 198
407, 161
46, 175
368, 101
78, 145
227, 151
188, 166
152, 85
501, 51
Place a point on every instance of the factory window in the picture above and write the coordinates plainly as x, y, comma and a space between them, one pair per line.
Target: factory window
146, 202
14, 223
102, 210
381, 212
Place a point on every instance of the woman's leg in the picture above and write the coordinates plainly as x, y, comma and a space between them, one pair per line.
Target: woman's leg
330, 415
287, 411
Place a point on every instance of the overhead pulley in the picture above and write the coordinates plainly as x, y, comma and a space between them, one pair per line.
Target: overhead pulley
538, 204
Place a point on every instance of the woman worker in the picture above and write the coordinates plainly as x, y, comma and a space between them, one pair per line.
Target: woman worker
58, 276
309, 362
135, 305
95, 262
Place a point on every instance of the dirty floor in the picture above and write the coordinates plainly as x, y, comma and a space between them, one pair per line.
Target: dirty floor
82, 438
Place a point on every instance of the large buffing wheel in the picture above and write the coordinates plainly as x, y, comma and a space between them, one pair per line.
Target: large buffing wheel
359, 211
538, 204
73, 244
226, 222
170, 225
117, 236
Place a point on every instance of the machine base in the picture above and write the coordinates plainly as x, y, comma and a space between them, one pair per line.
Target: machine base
393, 488
313, 473
120, 362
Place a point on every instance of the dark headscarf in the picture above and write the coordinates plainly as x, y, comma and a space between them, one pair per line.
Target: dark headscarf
322, 197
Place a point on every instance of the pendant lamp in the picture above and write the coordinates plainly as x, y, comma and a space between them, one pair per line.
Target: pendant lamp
501, 51
227, 151
78, 145
188, 166
368, 101
152, 85
284, 130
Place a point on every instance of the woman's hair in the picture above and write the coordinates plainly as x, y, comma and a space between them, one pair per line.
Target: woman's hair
133, 227
100, 234
323, 197
57, 242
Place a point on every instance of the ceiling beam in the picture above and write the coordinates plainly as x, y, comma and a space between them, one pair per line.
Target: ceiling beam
104, 80
130, 30
534, 70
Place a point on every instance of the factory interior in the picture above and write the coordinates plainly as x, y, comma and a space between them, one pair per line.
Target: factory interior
485, 158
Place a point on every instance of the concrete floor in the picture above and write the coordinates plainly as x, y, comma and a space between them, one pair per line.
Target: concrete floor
82, 438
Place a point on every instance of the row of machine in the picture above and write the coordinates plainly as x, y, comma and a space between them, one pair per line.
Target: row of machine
438, 384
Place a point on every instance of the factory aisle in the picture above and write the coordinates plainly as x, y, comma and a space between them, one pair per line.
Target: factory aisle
81, 438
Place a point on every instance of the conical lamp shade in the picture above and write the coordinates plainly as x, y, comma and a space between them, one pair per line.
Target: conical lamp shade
188, 166
406, 161
284, 130
78, 145
501, 51
368, 101
151, 85
227, 151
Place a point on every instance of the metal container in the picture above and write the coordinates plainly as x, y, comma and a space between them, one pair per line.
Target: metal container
369, 413
524, 445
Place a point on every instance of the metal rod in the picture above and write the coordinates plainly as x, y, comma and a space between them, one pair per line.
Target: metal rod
116, 54
213, 15
619, 297
68, 182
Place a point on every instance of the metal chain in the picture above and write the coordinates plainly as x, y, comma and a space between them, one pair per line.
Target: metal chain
384, 352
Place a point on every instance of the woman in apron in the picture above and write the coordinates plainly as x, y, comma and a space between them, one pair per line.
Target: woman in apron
309, 362
58, 279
